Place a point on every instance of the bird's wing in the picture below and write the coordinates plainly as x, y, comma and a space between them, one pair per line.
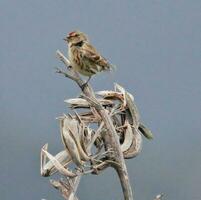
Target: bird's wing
92, 55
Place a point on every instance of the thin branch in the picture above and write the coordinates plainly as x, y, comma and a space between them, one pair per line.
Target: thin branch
75, 77
60, 71
63, 58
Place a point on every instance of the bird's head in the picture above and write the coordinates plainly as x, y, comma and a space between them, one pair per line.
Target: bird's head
75, 37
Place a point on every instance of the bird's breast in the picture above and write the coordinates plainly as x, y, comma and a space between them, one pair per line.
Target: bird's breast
78, 63
73, 57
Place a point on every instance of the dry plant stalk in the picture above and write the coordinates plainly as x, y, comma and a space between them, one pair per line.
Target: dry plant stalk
109, 124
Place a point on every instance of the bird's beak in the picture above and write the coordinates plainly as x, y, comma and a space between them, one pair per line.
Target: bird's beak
66, 39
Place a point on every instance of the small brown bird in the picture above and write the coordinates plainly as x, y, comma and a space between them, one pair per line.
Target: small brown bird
83, 57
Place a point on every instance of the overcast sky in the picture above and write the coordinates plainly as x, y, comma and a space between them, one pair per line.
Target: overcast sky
156, 46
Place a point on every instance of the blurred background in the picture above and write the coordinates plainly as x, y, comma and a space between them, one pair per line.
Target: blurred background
156, 46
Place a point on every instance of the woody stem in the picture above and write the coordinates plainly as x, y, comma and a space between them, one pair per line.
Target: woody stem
110, 138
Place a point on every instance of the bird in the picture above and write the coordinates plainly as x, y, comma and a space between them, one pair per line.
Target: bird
84, 57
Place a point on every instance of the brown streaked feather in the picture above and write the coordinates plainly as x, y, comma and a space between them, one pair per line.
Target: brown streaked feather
91, 54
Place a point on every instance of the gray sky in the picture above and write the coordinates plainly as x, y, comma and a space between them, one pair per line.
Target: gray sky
156, 46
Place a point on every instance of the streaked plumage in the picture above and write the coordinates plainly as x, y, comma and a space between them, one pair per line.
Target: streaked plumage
83, 56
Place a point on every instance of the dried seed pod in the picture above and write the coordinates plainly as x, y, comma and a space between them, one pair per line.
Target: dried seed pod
43, 160
83, 103
69, 142
86, 136
48, 168
57, 164
73, 126
77, 103
133, 110
109, 94
82, 153
119, 88
96, 134
145, 131
128, 137
73, 130
136, 146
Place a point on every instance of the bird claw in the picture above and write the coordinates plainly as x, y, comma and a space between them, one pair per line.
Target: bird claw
84, 85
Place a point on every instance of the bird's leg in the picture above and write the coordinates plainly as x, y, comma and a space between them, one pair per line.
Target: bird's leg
88, 80
83, 86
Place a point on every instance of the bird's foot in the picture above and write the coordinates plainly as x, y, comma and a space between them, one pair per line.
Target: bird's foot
86, 83
83, 86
